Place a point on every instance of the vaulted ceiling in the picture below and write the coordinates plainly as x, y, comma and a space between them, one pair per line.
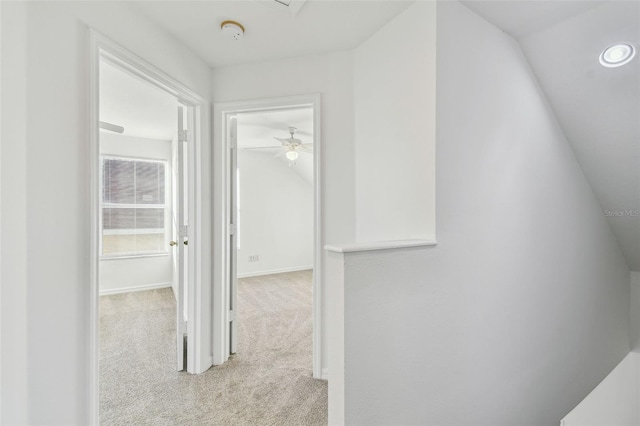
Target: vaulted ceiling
146, 111
257, 130
143, 110
598, 108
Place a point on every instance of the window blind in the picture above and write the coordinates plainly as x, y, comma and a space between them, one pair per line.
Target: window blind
133, 206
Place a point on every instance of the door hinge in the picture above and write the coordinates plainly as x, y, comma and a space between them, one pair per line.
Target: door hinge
232, 315
183, 327
233, 144
184, 136
232, 229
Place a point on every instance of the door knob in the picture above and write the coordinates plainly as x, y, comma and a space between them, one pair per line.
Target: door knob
172, 243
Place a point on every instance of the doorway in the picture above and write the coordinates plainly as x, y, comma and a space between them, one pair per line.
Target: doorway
146, 215
298, 150
143, 212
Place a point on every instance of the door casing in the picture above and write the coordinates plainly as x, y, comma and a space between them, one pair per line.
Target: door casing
221, 114
199, 357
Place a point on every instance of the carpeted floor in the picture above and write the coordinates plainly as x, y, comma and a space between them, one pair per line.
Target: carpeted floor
268, 381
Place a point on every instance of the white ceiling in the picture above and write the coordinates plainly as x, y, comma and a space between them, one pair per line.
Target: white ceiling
258, 129
270, 34
598, 108
143, 110
523, 17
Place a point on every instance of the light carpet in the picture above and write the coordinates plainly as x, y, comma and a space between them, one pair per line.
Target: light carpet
267, 382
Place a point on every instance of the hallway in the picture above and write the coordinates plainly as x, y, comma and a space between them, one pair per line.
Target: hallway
267, 382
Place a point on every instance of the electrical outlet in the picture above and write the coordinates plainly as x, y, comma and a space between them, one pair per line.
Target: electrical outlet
254, 258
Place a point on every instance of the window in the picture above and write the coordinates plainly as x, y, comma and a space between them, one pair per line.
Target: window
133, 207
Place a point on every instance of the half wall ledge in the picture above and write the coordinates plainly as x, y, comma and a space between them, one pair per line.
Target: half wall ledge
379, 245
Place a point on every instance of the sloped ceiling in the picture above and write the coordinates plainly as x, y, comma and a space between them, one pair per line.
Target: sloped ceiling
256, 132
521, 18
144, 111
598, 108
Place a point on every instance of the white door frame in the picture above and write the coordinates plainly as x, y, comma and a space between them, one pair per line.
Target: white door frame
198, 352
220, 298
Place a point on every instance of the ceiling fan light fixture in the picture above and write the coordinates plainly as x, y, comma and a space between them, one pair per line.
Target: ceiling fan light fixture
292, 155
232, 30
617, 55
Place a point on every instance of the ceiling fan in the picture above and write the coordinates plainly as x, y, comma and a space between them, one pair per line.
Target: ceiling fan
293, 145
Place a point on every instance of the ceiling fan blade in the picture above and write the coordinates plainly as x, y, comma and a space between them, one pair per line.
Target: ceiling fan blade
307, 145
111, 127
282, 141
289, 141
305, 149
263, 147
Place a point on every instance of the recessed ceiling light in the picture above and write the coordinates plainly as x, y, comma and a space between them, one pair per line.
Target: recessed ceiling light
617, 55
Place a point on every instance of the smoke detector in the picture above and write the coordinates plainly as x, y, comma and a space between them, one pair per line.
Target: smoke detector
232, 30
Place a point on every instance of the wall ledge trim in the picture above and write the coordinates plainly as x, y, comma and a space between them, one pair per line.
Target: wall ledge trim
380, 245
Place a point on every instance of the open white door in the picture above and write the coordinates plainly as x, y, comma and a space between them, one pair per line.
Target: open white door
180, 240
232, 125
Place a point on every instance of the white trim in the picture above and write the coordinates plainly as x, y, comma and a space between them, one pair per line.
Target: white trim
134, 256
1, 387
138, 67
158, 158
100, 47
220, 309
94, 221
102, 205
325, 374
275, 271
143, 287
135, 231
318, 243
379, 245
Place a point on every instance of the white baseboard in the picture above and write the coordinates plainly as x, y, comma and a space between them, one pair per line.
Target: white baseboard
275, 271
134, 288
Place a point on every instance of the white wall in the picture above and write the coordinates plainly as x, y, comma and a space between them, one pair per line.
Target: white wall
336, 338
394, 102
13, 214
276, 218
47, 161
634, 326
129, 274
331, 76
523, 306
615, 401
